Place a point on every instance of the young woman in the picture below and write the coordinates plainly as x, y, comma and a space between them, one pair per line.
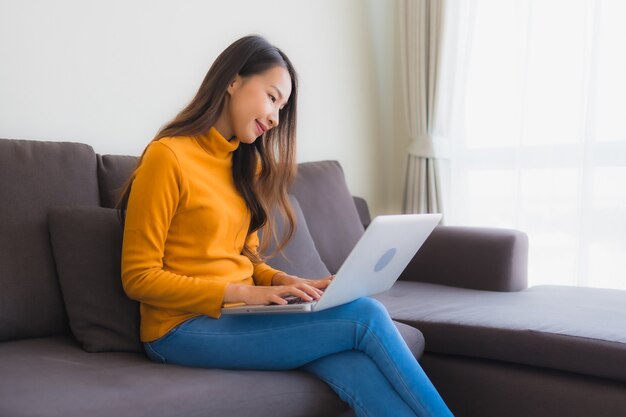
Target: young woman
192, 208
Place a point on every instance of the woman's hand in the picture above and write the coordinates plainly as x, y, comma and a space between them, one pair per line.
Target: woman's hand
286, 279
282, 285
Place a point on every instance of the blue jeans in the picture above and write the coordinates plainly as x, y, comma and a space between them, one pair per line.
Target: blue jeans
355, 348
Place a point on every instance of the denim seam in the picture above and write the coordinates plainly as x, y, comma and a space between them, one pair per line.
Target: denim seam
293, 326
389, 361
367, 328
157, 354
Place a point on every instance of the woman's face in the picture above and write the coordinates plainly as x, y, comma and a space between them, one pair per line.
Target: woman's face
252, 104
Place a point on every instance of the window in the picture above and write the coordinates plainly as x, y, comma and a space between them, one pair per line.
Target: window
538, 131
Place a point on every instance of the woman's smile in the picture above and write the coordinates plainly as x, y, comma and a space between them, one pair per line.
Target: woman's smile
261, 128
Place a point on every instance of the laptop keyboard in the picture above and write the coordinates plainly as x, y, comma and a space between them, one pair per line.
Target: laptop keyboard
292, 299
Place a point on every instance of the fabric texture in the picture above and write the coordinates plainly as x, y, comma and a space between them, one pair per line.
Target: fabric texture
87, 243
300, 257
490, 388
580, 330
420, 27
54, 377
35, 175
480, 258
423, 191
329, 209
113, 171
363, 210
186, 225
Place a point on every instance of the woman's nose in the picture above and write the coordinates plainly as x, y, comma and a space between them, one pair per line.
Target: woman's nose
273, 119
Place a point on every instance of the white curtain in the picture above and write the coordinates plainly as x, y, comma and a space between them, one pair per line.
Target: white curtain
539, 131
419, 31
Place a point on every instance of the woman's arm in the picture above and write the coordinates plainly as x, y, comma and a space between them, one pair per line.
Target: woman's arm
152, 203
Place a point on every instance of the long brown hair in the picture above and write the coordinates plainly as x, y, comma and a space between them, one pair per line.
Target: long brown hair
275, 150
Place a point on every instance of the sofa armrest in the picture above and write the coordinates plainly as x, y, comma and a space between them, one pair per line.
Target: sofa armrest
472, 257
364, 211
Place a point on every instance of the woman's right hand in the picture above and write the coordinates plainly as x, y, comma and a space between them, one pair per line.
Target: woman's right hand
264, 295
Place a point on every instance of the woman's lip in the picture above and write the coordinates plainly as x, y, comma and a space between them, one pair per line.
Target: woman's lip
261, 130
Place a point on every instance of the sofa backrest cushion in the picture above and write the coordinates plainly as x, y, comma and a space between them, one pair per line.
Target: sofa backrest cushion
300, 257
35, 175
113, 172
87, 247
329, 209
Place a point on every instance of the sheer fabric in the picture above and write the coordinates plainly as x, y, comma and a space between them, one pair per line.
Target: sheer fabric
537, 138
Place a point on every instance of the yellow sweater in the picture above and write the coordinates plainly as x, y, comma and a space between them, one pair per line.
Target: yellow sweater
186, 225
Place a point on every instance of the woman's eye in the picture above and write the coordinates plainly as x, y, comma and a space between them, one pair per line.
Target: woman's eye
273, 98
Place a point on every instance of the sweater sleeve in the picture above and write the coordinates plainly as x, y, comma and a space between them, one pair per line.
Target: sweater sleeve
152, 203
263, 273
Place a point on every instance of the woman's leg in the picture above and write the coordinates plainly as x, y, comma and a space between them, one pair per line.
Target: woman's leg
288, 341
357, 380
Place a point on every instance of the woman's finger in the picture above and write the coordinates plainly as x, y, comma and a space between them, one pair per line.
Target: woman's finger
300, 292
314, 292
274, 298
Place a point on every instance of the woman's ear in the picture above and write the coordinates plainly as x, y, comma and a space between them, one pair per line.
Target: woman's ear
234, 84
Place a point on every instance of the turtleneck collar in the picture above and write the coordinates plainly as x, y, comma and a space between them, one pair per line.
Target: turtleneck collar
215, 144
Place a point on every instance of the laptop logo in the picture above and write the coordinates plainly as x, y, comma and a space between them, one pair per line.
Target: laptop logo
385, 259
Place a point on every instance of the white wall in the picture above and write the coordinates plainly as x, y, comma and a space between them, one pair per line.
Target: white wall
110, 73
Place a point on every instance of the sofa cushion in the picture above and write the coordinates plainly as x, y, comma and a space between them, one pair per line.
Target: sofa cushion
413, 337
34, 176
113, 172
329, 209
87, 244
491, 259
572, 329
54, 377
300, 257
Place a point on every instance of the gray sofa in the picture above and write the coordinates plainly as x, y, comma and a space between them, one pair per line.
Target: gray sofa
68, 336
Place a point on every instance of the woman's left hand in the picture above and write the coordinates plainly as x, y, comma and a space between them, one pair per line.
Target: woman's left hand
311, 286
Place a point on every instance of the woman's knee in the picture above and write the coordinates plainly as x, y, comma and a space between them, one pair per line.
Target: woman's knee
369, 307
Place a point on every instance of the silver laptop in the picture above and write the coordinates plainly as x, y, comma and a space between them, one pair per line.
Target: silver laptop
375, 263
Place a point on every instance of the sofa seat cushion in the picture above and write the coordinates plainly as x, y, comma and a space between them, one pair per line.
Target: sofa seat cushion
55, 377
573, 329
413, 338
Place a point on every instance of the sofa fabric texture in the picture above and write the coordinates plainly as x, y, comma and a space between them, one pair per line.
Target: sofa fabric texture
113, 172
575, 329
329, 209
476, 258
33, 177
87, 246
54, 377
300, 257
